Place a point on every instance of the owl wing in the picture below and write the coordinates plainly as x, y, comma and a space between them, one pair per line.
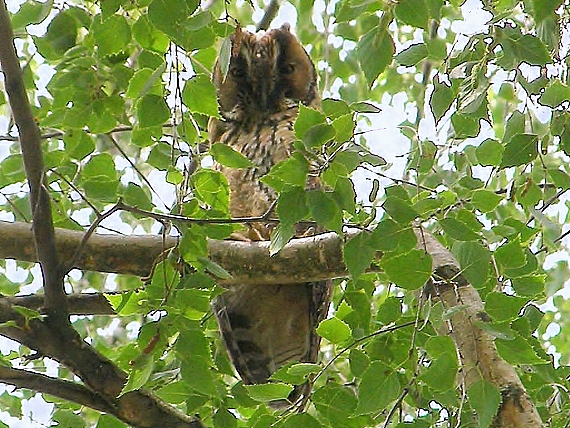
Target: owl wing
267, 326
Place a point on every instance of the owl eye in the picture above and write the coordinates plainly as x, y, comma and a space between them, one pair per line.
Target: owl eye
287, 69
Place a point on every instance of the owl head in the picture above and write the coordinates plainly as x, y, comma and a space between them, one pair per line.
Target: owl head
268, 72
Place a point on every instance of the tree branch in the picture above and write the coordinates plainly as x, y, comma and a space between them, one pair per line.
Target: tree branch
476, 348
304, 259
102, 378
55, 302
268, 14
79, 304
57, 387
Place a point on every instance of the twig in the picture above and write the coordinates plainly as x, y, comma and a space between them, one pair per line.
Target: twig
53, 134
361, 340
79, 304
269, 14
81, 195
135, 168
90, 231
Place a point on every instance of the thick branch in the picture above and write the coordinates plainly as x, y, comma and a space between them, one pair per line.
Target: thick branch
55, 302
476, 348
102, 378
57, 387
305, 259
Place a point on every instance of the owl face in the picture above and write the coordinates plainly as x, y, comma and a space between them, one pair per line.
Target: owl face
268, 72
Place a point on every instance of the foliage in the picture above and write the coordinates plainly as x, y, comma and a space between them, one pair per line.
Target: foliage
124, 116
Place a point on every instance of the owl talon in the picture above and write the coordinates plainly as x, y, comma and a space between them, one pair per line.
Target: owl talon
239, 236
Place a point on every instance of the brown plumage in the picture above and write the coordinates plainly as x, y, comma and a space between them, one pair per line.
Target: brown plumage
265, 326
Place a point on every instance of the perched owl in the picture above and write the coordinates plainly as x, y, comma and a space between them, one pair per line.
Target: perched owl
265, 326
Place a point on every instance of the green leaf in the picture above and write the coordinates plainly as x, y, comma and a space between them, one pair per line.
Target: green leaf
318, 135
378, 387
134, 195
374, 52
529, 285
412, 55
413, 12
335, 403
520, 48
465, 125
490, 152
560, 178
160, 156
224, 419
441, 373
145, 81
485, 201
147, 36
269, 391
160, 13
140, 373
502, 307
518, 351
111, 35
409, 271
227, 156
399, 209
334, 330
31, 12
389, 311
358, 254
280, 236
324, 210
344, 128
100, 165
152, 110
520, 150
474, 260
335, 108
301, 420
197, 373
212, 187
391, 236
66, 418
555, 94
484, 398
199, 95
61, 36
364, 107
359, 362
306, 119
292, 206
441, 99
458, 230
292, 171
510, 255
214, 268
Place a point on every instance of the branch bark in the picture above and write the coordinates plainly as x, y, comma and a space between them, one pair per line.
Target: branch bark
476, 349
306, 259
55, 301
103, 381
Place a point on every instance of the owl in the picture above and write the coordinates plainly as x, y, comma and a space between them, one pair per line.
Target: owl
265, 326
